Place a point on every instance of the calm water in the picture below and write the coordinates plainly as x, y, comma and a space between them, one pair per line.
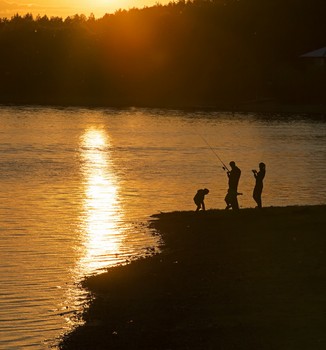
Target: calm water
77, 187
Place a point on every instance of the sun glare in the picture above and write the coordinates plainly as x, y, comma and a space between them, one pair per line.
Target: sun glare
94, 139
101, 3
100, 6
101, 216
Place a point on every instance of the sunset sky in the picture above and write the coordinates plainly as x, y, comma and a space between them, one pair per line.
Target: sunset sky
64, 8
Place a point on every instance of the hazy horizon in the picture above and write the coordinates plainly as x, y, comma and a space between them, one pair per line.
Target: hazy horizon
64, 9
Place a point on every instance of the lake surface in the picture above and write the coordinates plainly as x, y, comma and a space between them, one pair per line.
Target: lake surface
77, 187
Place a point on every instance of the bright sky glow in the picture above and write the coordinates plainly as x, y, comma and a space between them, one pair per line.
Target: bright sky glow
67, 8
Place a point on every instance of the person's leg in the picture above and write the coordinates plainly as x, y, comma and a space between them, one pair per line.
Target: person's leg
198, 205
259, 203
235, 204
227, 201
233, 200
257, 197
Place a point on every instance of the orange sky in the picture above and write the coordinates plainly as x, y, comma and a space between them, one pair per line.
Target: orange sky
64, 8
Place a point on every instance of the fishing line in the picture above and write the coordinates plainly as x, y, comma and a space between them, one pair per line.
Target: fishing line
217, 156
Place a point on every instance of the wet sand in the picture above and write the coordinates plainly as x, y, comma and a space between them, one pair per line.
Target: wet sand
253, 279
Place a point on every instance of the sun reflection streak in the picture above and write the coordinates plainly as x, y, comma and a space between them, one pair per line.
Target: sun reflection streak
101, 215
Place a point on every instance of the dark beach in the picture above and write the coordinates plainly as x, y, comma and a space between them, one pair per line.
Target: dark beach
253, 279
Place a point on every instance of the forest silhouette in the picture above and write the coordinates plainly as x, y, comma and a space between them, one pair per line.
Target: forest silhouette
186, 54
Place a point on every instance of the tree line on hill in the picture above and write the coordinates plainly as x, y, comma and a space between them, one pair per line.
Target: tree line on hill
185, 53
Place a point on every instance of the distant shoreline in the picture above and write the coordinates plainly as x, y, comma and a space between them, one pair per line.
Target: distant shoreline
241, 107
253, 279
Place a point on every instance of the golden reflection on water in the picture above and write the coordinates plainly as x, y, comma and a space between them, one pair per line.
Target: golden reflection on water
101, 214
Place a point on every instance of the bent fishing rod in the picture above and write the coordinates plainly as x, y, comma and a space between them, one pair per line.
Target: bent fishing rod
224, 166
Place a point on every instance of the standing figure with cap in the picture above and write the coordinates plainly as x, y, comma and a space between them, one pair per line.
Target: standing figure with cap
199, 199
231, 197
259, 176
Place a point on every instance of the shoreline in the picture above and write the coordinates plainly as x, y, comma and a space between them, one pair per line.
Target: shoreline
253, 279
237, 107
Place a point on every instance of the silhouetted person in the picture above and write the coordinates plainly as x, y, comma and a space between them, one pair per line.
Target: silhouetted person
259, 176
199, 198
231, 197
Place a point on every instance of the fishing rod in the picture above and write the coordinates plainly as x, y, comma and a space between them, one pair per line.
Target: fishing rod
224, 166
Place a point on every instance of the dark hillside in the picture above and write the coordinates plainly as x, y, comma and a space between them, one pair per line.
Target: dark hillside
195, 53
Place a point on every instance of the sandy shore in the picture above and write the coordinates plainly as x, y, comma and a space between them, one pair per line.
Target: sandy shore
253, 279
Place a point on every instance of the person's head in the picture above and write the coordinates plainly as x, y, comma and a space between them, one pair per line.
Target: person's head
232, 164
262, 165
206, 190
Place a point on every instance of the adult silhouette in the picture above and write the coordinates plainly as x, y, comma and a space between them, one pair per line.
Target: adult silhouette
258, 189
231, 197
